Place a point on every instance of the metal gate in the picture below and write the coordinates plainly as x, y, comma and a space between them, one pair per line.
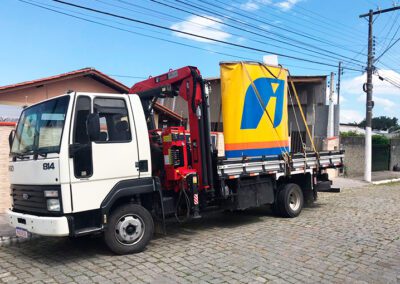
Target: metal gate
295, 143
380, 157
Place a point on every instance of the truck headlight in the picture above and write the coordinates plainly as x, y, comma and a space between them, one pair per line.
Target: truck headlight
50, 193
53, 204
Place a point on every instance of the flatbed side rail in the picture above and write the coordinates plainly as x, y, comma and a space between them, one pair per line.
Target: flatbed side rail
233, 168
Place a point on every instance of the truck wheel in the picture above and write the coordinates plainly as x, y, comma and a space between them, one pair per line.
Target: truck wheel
130, 229
290, 200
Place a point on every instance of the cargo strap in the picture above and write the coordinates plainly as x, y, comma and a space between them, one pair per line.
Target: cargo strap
302, 114
303, 145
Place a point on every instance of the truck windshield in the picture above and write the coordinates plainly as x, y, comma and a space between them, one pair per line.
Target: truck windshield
40, 128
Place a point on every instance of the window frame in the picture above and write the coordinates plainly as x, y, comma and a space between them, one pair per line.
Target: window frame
75, 115
89, 143
128, 120
12, 153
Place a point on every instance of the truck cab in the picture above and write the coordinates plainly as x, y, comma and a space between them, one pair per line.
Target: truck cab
72, 160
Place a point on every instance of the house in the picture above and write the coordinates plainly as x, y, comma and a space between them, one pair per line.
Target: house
345, 127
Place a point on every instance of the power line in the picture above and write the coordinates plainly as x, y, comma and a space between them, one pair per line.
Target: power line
331, 21
293, 31
144, 35
127, 76
264, 30
136, 33
195, 35
396, 15
390, 81
251, 32
233, 34
328, 26
304, 23
387, 49
187, 45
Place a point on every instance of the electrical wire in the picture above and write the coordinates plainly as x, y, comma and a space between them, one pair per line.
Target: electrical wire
387, 49
327, 26
136, 33
279, 27
326, 52
195, 35
232, 34
390, 20
152, 37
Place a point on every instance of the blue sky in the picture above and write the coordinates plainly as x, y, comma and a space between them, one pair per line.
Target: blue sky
38, 43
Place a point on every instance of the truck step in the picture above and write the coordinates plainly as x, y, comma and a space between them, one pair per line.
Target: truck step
326, 186
169, 205
86, 231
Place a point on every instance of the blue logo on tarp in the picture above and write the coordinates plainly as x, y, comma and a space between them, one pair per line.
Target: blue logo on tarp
253, 110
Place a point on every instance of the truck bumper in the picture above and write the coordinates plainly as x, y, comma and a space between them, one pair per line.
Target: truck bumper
45, 226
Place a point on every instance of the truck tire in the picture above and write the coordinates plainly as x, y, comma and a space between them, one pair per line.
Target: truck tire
130, 229
290, 200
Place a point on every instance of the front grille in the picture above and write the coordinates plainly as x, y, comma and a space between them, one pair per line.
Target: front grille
30, 198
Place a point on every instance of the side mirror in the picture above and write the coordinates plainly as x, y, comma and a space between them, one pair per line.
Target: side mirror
93, 126
11, 138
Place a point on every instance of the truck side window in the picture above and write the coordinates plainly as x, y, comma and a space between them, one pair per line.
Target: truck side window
114, 122
83, 165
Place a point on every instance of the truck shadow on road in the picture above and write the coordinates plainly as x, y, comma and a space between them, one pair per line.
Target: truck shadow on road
221, 219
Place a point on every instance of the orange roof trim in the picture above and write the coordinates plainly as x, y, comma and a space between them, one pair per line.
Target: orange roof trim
8, 123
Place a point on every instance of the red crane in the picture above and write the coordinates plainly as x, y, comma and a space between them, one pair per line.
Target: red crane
187, 83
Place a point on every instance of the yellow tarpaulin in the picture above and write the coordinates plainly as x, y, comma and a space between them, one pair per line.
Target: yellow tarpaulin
254, 108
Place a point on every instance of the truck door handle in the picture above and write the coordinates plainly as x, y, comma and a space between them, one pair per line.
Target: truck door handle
142, 165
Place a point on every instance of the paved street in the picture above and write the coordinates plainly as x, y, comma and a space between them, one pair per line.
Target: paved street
347, 237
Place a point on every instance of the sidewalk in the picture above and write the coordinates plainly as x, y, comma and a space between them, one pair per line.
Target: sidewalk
379, 177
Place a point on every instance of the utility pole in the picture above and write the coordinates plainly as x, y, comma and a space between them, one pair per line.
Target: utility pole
338, 82
368, 89
331, 107
370, 103
338, 96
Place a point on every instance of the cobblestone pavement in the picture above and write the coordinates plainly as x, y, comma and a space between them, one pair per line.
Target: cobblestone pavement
351, 237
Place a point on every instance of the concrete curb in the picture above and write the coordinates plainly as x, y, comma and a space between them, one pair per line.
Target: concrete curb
386, 181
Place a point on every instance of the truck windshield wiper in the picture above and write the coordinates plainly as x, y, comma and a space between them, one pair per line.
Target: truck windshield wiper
20, 156
44, 155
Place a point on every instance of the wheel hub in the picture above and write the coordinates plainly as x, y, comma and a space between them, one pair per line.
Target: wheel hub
294, 201
129, 229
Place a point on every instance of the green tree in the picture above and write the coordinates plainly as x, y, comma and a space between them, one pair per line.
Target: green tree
382, 123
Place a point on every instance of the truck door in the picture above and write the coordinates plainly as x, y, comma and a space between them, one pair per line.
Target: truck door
97, 166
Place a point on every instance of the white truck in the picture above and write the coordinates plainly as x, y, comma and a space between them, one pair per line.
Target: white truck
86, 163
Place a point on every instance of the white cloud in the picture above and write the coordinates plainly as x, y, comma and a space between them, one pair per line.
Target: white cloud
349, 116
286, 5
253, 5
355, 85
388, 105
250, 6
385, 96
201, 26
